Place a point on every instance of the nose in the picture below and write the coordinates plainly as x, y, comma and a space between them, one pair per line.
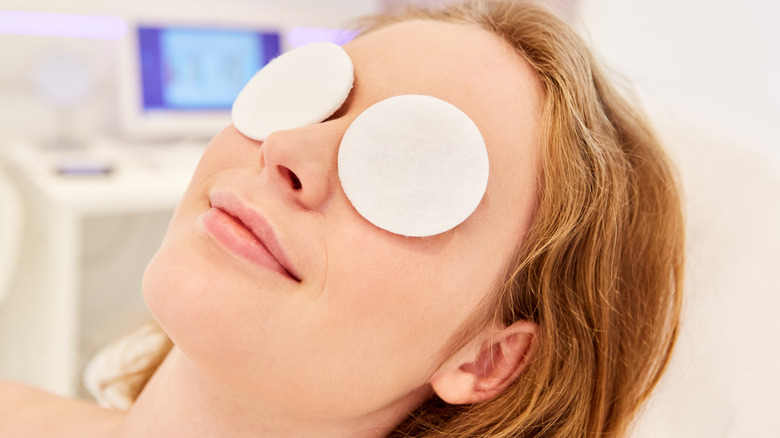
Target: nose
302, 162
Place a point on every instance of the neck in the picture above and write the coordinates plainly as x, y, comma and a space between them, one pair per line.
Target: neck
180, 401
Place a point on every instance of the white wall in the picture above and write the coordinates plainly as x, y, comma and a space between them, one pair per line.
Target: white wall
713, 61
299, 12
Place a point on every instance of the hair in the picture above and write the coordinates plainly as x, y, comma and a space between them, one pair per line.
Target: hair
600, 270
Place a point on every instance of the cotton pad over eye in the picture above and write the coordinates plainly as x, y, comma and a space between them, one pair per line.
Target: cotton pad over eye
301, 87
413, 165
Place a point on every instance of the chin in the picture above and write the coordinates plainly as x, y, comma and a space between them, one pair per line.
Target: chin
175, 290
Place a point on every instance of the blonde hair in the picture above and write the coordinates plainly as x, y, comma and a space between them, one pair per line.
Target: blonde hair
601, 269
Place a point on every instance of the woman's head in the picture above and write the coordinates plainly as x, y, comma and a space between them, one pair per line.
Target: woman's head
531, 317
367, 319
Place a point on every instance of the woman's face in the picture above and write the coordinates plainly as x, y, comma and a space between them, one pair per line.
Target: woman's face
363, 317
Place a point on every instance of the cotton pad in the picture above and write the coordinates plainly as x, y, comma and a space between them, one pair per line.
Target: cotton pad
413, 165
301, 87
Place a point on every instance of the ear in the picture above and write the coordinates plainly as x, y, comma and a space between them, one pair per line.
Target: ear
485, 367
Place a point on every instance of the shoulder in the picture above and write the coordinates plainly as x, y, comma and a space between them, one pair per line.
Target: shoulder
18, 404
26, 411
16, 397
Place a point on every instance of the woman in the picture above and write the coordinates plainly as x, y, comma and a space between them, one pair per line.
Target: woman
550, 311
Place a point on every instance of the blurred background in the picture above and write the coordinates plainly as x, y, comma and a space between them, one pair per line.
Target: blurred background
95, 150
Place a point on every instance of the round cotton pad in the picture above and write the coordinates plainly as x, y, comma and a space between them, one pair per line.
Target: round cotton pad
413, 165
301, 87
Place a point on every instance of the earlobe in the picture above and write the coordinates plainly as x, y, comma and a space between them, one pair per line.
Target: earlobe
487, 366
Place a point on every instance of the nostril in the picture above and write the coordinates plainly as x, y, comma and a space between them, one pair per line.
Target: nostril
295, 182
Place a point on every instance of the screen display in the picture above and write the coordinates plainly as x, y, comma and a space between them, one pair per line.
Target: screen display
199, 68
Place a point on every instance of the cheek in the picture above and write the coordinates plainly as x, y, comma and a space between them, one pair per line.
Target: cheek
398, 304
181, 291
227, 150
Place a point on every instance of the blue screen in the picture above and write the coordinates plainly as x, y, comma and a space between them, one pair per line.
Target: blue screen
199, 68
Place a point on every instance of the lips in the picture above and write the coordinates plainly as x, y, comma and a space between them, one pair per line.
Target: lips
245, 233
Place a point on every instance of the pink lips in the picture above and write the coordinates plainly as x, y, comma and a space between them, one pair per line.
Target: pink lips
245, 233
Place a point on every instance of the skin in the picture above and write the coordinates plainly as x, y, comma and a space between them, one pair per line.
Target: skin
363, 337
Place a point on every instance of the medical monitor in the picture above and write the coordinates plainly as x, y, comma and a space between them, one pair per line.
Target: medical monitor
179, 81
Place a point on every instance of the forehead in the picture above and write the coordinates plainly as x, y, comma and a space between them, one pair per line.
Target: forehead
465, 65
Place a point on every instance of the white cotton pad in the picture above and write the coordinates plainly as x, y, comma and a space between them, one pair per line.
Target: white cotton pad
413, 165
301, 87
